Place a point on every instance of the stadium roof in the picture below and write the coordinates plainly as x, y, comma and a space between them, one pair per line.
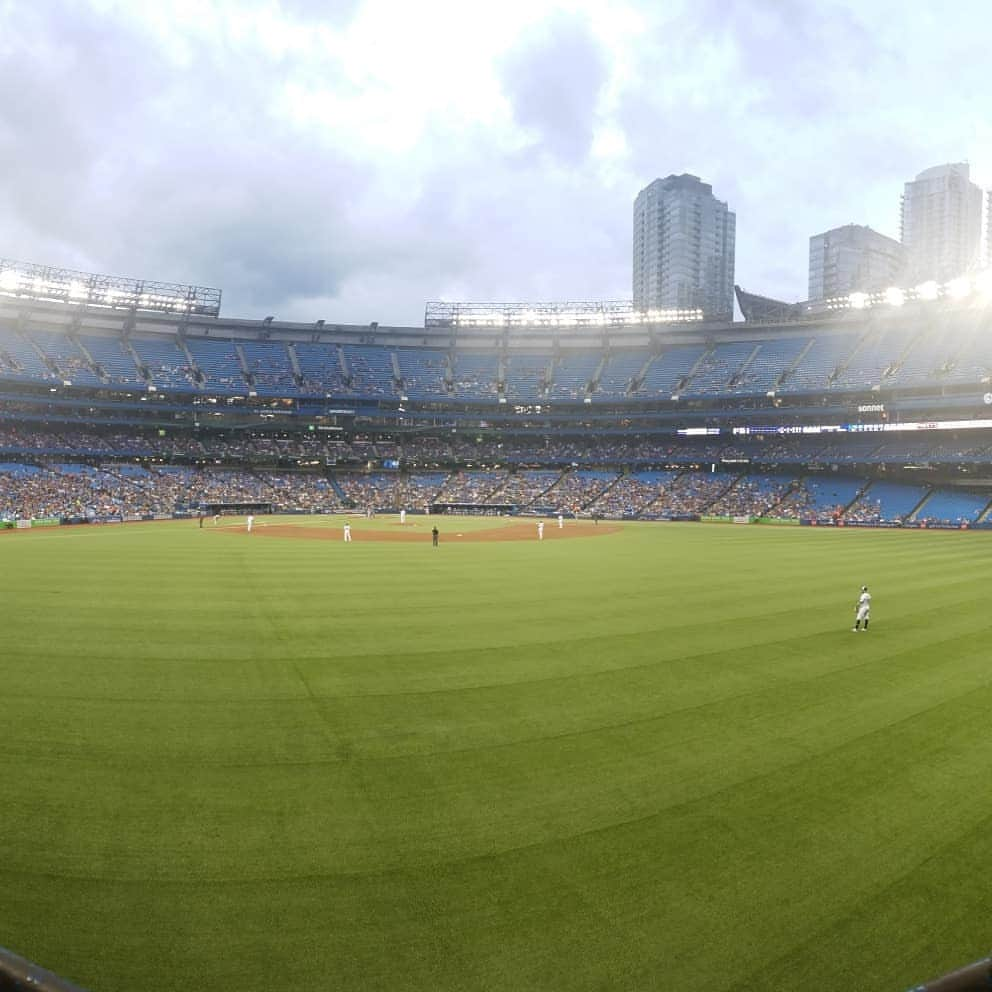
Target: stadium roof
764, 309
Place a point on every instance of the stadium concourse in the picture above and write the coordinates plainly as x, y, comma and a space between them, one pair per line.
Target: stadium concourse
838, 418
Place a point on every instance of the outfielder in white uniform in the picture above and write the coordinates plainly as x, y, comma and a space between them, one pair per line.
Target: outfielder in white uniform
251, 520
402, 516
561, 521
540, 530
347, 532
863, 609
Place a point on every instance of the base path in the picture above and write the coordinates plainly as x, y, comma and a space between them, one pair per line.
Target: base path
449, 532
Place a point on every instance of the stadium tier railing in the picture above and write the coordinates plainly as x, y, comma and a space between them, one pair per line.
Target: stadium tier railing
17, 974
971, 978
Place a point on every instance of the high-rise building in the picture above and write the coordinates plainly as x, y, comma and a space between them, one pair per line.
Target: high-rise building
852, 259
941, 223
683, 248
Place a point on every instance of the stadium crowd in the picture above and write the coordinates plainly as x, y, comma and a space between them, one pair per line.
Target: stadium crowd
57, 470
113, 489
417, 452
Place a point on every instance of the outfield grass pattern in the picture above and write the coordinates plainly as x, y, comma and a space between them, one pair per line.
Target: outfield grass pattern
653, 759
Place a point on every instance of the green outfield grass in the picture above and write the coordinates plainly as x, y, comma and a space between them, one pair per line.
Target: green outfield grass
654, 759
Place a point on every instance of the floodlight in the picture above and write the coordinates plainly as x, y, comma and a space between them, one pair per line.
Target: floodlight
958, 289
9, 279
858, 300
983, 285
895, 297
928, 290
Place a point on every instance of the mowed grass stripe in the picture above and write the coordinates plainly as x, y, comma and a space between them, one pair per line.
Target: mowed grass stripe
642, 885
588, 764
553, 789
386, 726
658, 642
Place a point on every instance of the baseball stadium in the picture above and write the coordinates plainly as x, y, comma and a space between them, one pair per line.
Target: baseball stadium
512, 651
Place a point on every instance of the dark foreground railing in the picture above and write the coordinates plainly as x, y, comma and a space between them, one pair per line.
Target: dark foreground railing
17, 974
973, 978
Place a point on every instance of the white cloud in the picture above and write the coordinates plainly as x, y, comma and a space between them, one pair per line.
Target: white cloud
361, 157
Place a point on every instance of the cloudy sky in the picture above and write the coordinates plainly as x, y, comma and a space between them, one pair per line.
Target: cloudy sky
351, 159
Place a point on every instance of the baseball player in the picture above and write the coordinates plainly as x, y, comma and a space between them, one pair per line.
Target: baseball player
862, 611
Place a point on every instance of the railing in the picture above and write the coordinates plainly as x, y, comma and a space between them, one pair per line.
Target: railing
17, 974
971, 978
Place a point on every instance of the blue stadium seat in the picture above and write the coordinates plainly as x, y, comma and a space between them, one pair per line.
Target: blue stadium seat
668, 369
618, 372
953, 506
166, 362
218, 360
423, 372
270, 369
572, 374
475, 376
320, 369
718, 368
114, 358
768, 366
812, 374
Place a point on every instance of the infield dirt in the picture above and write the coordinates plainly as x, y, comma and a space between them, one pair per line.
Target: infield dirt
448, 533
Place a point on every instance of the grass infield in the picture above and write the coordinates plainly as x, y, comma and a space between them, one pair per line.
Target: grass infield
656, 758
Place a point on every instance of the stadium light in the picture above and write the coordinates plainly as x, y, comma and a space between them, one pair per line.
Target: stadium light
928, 290
858, 301
895, 297
572, 314
958, 289
46, 282
983, 285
